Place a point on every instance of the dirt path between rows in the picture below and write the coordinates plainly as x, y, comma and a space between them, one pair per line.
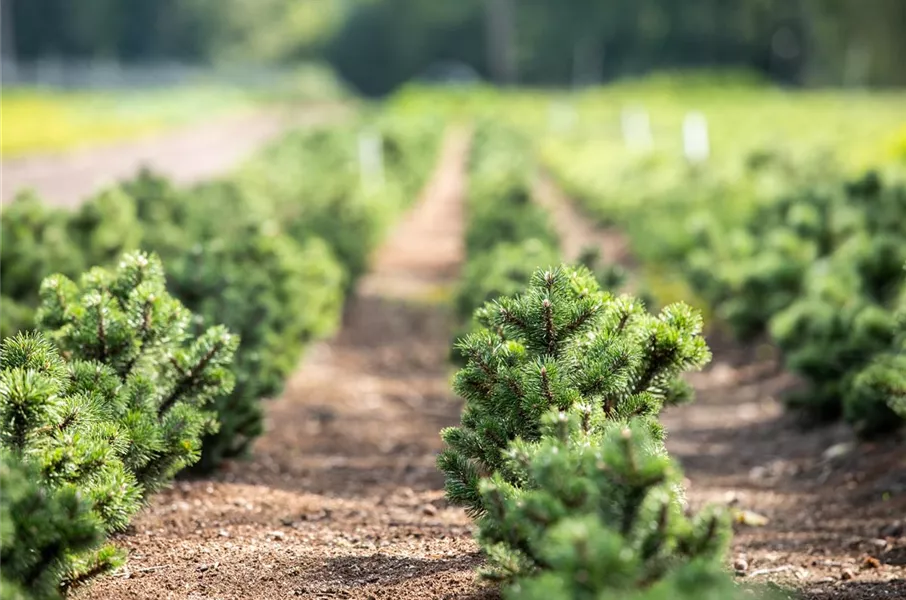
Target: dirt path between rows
187, 155
831, 512
342, 498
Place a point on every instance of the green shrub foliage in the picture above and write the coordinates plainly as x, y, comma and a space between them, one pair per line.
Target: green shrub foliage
39, 241
311, 183
782, 246
821, 268
881, 386
231, 265
115, 416
697, 580
508, 235
843, 319
560, 343
610, 276
268, 252
560, 454
41, 530
62, 434
165, 377
755, 264
596, 507
290, 294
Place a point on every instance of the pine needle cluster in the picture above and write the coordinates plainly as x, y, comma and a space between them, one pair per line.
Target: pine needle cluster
560, 453
58, 524
562, 342
597, 506
106, 404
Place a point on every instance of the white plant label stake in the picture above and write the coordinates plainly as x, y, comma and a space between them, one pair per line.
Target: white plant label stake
696, 144
637, 130
371, 160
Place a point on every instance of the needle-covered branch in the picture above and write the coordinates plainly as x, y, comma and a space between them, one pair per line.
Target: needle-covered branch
562, 342
111, 416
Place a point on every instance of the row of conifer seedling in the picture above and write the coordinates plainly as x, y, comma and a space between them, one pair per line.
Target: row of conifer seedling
143, 330
560, 454
792, 248
137, 370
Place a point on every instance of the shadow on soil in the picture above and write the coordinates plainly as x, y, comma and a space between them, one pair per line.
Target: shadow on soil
352, 572
862, 591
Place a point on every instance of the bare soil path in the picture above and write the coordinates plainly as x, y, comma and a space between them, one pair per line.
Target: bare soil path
187, 155
342, 498
835, 509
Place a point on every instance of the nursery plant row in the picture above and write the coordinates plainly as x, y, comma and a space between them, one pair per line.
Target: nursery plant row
794, 250
560, 455
143, 330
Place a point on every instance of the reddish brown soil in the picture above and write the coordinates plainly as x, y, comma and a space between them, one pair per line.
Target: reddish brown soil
188, 155
342, 498
836, 524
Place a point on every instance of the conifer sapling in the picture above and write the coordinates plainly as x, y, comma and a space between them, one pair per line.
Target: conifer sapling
883, 382
67, 439
40, 531
117, 414
159, 382
562, 342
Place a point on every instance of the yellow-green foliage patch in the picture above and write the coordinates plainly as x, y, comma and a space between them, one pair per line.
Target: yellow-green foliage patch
36, 120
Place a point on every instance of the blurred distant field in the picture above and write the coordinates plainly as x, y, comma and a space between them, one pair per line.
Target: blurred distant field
37, 120
859, 128
619, 150
40, 120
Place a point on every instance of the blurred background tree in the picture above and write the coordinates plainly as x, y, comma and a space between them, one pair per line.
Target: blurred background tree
379, 44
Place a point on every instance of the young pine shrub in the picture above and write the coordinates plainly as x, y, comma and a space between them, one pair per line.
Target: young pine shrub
114, 417
596, 509
844, 319
166, 378
278, 296
697, 580
59, 432
41, 530
881, 199
561, 343
827, 343
763, 283
754, 272
228, 262
881, 387
35, 244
